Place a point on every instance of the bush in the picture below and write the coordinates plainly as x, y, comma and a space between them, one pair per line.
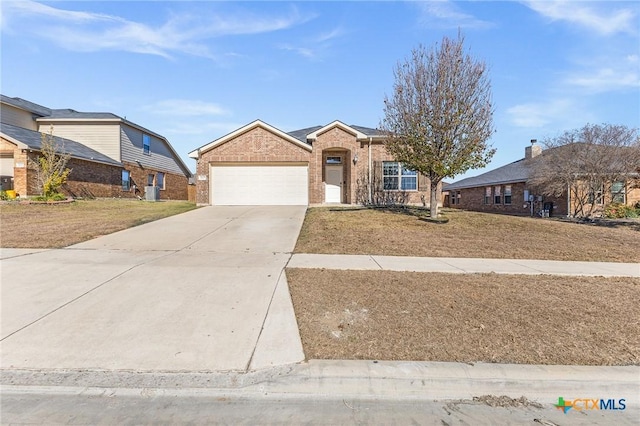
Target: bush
53, 197
3, 195
620, 211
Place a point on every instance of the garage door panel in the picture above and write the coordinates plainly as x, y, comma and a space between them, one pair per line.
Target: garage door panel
259, 185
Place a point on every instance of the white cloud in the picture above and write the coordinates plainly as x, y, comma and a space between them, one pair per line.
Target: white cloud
540, 114
208, 130
604, 19
88, 32
606, 79
445, 13
185, 108
330, 35
302, 51
606, 73
315, 47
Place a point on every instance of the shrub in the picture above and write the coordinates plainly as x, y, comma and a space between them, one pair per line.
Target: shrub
619, 211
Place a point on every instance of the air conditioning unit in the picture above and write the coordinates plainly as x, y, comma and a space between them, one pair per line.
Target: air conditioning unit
151, 193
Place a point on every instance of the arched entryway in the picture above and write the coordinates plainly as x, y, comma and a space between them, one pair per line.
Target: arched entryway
336, 170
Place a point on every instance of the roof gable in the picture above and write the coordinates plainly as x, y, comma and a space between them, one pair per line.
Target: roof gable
358, 134
248, 127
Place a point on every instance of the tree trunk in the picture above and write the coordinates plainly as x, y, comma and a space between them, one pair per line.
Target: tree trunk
433, 205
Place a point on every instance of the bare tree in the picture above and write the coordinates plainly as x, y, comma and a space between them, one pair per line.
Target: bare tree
586, 163
51, 165
440, 115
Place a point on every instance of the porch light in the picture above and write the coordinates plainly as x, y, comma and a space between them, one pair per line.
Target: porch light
355, 158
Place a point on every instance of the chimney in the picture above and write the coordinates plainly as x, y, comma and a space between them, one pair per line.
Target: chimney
532, 151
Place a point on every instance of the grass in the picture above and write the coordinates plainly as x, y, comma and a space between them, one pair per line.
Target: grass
465, 234
61, 225
383, 315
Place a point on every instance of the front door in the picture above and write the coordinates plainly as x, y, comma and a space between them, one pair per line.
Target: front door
333, 184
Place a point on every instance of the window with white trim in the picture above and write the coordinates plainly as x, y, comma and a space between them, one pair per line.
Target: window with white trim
146, 144
507, 194
497, 198
150, 179
395, 176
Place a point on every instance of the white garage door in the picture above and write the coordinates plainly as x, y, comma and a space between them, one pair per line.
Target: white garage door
6, 164
259, 185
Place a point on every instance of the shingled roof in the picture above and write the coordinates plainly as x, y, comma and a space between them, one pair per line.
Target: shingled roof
33, 140
73, 114
26, 105
518, 171
302, 134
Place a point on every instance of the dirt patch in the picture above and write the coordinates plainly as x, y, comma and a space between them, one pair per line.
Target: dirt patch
61, 225
505, 401
466, 234
522, 319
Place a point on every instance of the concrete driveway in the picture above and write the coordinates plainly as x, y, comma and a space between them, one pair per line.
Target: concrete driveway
201, 291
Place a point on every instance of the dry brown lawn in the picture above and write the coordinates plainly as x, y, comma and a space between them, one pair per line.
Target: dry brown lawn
466, 234
60, 225
522, 319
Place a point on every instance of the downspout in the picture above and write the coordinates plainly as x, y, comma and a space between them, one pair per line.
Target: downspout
370, 173
569, 200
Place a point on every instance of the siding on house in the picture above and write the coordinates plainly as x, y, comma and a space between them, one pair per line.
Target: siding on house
18, 117
103, 137
159, 158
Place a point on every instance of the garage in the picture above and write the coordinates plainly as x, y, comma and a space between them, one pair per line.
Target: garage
259, 184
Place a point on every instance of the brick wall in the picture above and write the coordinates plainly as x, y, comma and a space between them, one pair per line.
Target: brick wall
89, 179
335, 141
473, 199
175, 185
255, 145
421, 196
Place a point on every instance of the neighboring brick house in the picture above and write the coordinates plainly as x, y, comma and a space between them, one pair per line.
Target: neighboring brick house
508, 189
336, 163
110, 156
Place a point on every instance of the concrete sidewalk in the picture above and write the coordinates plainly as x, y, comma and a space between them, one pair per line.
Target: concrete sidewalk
464, 265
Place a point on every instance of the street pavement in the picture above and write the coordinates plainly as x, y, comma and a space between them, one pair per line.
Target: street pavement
326, 392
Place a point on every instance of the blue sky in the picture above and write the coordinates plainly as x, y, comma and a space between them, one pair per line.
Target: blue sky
196, 70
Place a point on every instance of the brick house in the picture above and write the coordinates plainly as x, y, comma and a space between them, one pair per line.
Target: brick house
335, 163
109, 155
508, 189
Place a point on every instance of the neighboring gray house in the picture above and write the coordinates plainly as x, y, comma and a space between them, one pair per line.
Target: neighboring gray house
135, 156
